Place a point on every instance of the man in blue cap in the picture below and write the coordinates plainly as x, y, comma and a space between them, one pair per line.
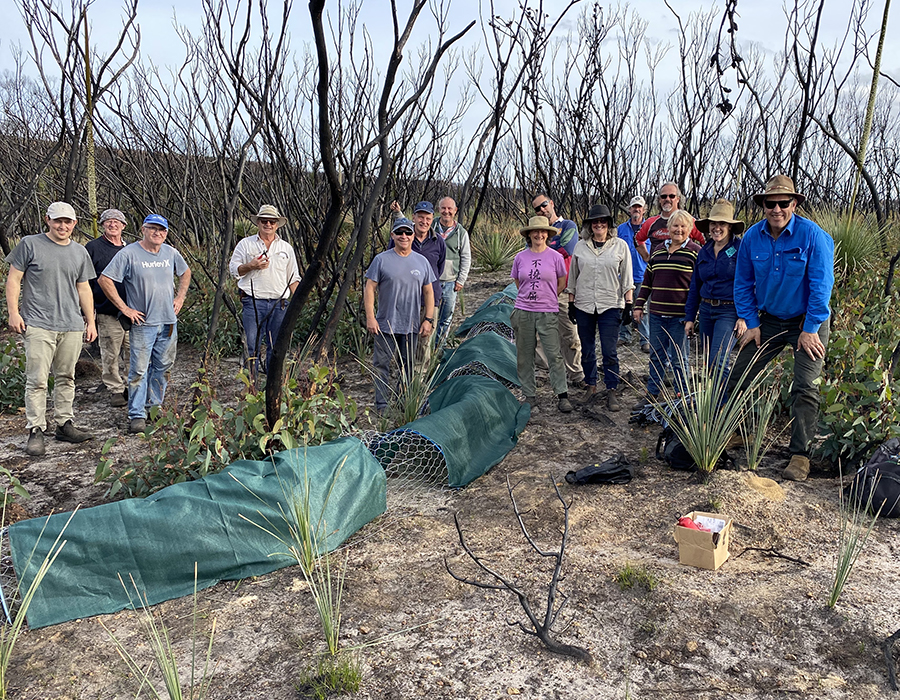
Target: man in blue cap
146, 269
403, 281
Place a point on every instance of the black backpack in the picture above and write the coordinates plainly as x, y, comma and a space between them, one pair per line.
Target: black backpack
880, 477
672, 452
616, 470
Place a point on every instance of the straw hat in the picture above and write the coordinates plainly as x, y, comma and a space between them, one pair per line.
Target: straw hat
777, 186
538, 223
268, 211
722, 211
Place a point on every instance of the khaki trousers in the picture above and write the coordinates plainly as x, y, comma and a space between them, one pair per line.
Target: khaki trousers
569, 344
47, 351
113, 340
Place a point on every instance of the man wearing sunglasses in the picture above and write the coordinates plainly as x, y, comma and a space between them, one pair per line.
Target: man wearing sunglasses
564, 244
782, 287
402, 280
656, 228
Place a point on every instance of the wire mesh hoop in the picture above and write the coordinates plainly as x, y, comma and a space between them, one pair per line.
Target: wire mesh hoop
407, 455
8, 583
500, 329
481, 370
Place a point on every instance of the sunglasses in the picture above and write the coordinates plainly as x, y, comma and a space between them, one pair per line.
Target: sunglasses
268, 222
539, 207
783, 203
403, 232
668, 196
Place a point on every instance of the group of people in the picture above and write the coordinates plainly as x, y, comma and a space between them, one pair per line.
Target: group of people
766, 289
124, 296
58, 292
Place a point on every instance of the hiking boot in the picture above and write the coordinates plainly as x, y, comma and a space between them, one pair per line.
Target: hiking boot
137, 425
589, 395
736, 440
612, 401
648, 399
35, 446
797, 469
645, 348
564, 405
67, 432
119, 400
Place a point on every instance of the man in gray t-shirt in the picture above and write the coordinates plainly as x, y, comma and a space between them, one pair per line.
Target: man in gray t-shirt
402, 280
147, 268
51, 272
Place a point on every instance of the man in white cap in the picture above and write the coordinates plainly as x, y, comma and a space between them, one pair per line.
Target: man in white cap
146, 269
111, 335
51, 271
265, 267
627, 231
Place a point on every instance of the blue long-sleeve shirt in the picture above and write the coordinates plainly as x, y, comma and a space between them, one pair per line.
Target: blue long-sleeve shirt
787, 277
627, 232
713, 276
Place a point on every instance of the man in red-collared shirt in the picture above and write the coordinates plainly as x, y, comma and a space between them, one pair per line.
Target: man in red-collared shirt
655, 229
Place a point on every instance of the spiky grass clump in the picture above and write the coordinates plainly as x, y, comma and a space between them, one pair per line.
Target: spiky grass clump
631, 575
857, 521
856, 240
330, 675
495, 248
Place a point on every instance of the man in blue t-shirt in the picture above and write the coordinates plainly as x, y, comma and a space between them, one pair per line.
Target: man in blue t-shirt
564, 244
402, 280
627, 231
146, 268
782, 288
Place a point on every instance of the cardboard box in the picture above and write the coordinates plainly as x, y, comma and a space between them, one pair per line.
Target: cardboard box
705, 550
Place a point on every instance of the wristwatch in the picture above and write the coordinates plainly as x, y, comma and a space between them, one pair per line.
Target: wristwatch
430, 320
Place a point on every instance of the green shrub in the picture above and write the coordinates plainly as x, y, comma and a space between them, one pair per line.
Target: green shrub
12, 376
859, 395
188, 445
631, 575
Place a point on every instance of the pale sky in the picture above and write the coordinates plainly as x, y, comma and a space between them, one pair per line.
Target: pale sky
762, 22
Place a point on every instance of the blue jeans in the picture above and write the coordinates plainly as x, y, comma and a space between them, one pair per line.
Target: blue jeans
445, 312
152, 355
607, 324
387, 347
717, 333
666, 341
262, 320
643, 327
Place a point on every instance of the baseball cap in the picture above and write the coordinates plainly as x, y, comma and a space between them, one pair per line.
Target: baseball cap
157, 219
61, 210
402, 223
637, 201
113, 214
424, 206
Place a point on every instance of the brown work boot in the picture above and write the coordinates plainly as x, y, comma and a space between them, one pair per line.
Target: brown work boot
119, 399
736, 440
612, 401
797, 469
589, 395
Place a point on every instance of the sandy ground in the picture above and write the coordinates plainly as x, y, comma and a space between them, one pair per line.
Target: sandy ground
757, 628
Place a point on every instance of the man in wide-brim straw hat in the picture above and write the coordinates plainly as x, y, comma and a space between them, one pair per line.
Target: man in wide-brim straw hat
782, 287
265, 267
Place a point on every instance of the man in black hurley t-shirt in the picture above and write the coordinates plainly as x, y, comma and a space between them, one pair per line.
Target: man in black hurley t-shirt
112, 337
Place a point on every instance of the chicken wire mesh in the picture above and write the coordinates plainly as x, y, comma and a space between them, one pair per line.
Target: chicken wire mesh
481, 370
500, 329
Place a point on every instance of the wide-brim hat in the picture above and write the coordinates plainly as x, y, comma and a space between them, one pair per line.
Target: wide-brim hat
268, 211
723, 212
598, 212
778, 186
538, 223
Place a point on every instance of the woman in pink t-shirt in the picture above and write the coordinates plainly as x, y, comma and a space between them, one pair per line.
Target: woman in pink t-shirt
540, 275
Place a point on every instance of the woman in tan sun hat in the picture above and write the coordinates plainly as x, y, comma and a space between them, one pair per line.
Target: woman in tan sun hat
712, 286
540, 276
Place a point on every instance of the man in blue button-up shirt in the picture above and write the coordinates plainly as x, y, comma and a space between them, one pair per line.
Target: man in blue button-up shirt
782, 286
